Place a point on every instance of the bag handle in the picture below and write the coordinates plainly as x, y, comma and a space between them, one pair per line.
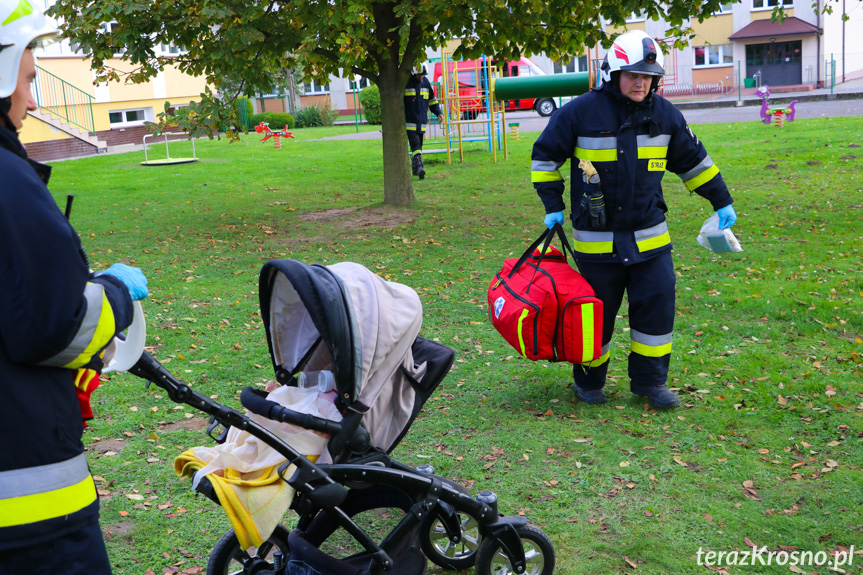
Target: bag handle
546, 236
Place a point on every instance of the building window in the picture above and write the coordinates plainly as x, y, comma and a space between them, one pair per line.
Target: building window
171, 50
312, 87
714, 55
358, 84
726, 8
639, 16
109, 28
764, 4
574, 64
125, 118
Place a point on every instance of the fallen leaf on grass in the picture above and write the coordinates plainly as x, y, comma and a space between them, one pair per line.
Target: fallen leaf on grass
629, 562
679, 461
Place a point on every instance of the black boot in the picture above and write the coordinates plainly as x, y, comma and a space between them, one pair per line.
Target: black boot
591, 396
421, 171
659, 396
414, 164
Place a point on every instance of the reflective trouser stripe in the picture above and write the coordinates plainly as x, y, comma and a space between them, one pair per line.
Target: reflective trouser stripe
593, 242
39, 493
652, 237
606, 353
524, 314
417, 127
650, 345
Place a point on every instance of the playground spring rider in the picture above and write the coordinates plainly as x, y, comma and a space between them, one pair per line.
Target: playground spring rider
264, 128
777, 115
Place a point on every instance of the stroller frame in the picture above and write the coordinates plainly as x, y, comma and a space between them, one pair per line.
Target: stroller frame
345, 318
323, 486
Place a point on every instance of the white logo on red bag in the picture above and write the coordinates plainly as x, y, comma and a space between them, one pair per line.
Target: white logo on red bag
498, 306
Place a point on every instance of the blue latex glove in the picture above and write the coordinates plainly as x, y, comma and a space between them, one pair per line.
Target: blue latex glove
133, 278
727, 217
553, 218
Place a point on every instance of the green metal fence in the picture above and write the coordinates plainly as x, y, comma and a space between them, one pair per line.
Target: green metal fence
63, 100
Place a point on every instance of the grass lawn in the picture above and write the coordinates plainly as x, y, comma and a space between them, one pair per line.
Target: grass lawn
768, 349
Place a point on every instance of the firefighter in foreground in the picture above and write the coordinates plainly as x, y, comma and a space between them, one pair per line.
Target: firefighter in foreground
56, 318
419, 98
631, 136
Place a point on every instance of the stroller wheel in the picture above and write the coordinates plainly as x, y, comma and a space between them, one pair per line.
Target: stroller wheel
438, 546
228, 559
538, 551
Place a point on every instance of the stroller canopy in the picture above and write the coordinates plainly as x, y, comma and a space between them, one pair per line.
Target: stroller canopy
346, 319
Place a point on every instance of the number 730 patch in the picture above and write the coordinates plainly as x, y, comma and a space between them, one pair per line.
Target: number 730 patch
656, 165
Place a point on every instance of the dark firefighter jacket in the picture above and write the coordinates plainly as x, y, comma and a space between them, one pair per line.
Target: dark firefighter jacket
55, 318
631, 145
419, 97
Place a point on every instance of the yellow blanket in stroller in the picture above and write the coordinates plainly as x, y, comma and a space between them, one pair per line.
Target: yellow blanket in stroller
244, 470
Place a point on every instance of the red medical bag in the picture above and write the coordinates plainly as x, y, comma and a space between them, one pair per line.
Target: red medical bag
544, 308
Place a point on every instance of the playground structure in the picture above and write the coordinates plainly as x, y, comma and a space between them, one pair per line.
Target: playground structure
478, 114
264, 128
168, 161
775, 115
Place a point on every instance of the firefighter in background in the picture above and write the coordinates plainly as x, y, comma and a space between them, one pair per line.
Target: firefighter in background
631, 136
56, 318
419, 98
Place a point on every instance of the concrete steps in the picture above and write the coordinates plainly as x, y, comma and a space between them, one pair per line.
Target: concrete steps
74, 131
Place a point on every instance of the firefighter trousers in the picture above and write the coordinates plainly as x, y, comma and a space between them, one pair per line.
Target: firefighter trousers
415, 139
649, 288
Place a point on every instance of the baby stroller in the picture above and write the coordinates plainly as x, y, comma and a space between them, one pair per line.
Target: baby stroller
345, 319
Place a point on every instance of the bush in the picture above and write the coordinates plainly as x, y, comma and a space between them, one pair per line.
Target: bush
317, 115
370, 99
276, 120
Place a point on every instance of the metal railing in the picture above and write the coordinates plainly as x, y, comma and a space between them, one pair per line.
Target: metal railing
63, 100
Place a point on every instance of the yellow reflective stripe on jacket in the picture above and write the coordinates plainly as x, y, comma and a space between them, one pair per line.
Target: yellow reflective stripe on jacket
596, 149
650, 345
96, 330
652, 237
700, 174
411, 92
545, 171
593, 242
652, 148
102, 334
45, 492
524, 314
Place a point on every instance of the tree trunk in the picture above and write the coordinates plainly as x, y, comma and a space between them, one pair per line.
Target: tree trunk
398, 180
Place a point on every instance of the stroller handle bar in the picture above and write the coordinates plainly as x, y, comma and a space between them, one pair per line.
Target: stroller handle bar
255, 401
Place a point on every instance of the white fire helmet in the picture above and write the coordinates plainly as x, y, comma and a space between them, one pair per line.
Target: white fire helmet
419, 70
634, 51
21, 26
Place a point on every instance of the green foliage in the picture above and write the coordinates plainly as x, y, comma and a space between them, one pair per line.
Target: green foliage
276, 120
248, 41
370, 98
315, 116
768, 343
